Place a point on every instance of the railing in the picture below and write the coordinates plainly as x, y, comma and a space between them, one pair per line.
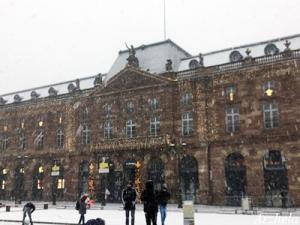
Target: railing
288, 55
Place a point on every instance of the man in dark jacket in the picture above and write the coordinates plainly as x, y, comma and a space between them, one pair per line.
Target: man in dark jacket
149, 199
129, 199
82, 208
163, 198
28, 209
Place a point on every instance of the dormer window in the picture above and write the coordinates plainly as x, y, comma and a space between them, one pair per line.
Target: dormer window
269, 88
193, 64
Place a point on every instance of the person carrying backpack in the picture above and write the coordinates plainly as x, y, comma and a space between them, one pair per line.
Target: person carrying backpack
149, 199
129, 198
163, 198
28, 209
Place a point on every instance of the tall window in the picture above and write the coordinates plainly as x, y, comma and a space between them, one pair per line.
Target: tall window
4, 142
153, 104
271, 115
130, 129
269, 88
186, 99
22, 141
187, 123
85, 135
230, 92
154, 126
39, 139
108, 129
108, 110
232, 119
60, 138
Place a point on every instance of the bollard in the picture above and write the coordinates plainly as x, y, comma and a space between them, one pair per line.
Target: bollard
245, 204
45, 206
188, 213
7, 208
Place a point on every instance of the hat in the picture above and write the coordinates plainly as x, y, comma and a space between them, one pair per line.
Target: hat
100, 221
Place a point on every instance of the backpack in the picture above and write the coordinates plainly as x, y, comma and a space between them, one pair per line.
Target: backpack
77, 205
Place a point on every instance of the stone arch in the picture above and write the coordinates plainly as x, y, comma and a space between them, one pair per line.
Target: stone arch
189, 177
236, 180
275, 179
156, 172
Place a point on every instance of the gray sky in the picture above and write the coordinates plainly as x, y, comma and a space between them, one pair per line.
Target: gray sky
49, 41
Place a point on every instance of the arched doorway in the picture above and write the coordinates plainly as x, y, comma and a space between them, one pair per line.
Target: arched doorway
236, 181
156, 173
276, 180
38, 182
189, 178
19, 189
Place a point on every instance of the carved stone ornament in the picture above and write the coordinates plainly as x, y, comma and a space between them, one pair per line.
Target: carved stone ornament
193, 64
235, 56
71, 88
271, 49
169, 65
17, 98
2, 101
52, 92
34, 95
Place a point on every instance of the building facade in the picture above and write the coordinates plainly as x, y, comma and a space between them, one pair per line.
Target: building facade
214, 133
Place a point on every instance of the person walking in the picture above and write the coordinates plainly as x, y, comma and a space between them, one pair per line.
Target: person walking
28, 209
163, 198
129, 199
82, 208
149, 199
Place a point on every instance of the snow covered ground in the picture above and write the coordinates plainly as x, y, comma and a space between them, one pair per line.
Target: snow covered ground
114, 215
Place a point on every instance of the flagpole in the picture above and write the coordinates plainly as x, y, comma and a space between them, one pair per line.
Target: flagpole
165, 35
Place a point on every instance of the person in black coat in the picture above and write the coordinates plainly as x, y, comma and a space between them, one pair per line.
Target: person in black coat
129, 199
149, 199
163, 198
82, 208
28, 209
97, 221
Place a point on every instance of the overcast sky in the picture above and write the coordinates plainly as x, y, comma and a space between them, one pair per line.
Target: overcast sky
49, 41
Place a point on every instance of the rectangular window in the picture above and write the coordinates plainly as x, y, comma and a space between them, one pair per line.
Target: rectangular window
130, 129
39, 184
271, 115
3, 185
85, 135
187, 123
39, 140
60, 183
232, 119
60, 138
108, 129
186, 99
154, 126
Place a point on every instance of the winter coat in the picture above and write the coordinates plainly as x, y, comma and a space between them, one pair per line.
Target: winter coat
129, 198
29, 207
97, 221
149, 198
82, 207
163, 196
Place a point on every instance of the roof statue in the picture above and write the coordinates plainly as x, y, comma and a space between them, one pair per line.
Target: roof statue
169, 65
201, 60
98, 80
132, 60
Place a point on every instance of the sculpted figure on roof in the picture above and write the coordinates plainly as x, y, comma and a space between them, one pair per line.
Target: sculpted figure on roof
132, 59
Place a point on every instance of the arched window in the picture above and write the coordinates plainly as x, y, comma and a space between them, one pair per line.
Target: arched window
276, 180
60, 138
236, 182
156, 173
39, 139
189, 178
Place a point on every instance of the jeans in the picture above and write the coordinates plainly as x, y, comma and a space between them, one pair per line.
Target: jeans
163, 213
81, 219
132, 216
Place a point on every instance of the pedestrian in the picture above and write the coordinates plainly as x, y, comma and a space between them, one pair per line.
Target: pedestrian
163, 198
28, 209
82, 207
129, 199
149, 198
97, 221
107, 193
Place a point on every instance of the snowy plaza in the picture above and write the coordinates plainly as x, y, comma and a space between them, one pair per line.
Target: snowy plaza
64, 213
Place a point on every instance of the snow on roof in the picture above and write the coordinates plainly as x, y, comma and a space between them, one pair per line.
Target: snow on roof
152, 57
257, 50
60, 88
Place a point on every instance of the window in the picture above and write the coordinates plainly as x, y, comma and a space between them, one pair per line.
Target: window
153, 104
40, 184
85, 115
22, 141
154, 126
3, 184
60, 117
130, 107
130, 129
232, 119
268, 88
108, 129
108, 110
230, 92
271, 115
4, 142
60, 183
86, 135
60, 138
187, 123
186, 99
39, 140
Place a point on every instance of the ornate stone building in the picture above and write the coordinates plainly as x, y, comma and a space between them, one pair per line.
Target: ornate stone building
215, 127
